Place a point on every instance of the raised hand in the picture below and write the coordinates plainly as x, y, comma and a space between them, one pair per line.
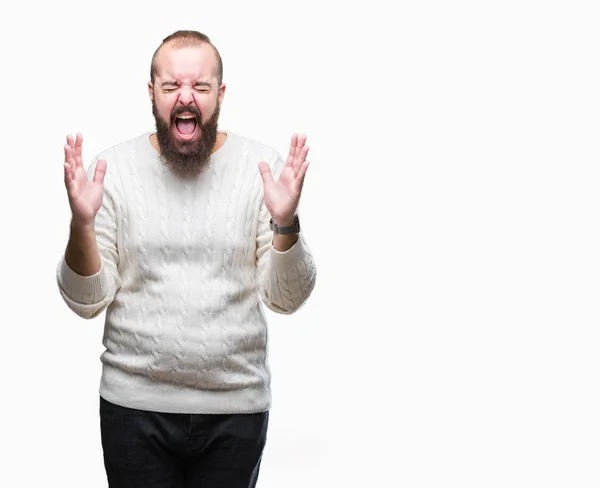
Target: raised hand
85, 196
282, 196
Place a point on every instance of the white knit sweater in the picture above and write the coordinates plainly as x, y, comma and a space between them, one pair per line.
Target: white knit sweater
185, 266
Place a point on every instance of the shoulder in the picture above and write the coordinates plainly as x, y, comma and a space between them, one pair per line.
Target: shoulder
127, 149
252, 148
124, 158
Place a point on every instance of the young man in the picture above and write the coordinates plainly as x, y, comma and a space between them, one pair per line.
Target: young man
180, 235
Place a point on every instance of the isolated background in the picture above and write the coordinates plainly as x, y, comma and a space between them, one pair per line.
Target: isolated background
452, 206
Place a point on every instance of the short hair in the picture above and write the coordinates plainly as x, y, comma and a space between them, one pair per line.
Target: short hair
186, 38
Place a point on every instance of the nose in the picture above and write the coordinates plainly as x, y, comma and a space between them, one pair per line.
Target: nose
186, 95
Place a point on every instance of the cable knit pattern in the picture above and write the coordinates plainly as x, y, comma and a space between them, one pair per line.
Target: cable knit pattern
186, 267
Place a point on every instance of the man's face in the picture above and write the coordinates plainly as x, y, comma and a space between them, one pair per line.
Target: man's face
186, 99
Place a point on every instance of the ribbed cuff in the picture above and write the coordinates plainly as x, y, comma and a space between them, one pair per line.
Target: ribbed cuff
82, 289
290, 258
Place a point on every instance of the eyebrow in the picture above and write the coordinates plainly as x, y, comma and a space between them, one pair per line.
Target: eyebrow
197, 83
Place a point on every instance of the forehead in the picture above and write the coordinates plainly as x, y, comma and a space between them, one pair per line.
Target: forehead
186, 62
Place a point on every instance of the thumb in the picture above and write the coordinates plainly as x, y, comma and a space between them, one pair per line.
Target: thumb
100, 171
265, 172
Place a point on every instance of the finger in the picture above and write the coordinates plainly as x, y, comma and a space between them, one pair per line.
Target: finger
69, 183
100, 171
71, 144
70, 160
302, 174
299, 148
300, 145
265, 172
78, 150
300, 159
67, 149
68, 176
292, 152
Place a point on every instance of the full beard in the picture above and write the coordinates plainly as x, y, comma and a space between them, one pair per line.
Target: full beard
186, 158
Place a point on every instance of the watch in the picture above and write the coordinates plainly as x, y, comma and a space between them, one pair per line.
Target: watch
292, 229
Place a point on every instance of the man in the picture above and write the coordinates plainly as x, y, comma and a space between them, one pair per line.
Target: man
180, 235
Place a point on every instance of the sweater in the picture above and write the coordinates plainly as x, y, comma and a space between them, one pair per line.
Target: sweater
186, 268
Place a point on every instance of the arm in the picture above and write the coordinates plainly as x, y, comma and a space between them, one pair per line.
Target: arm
82, 254
286, 268
284, 242
87, 274
285, 278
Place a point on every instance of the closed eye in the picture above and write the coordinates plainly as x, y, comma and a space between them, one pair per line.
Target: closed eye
200, 87
169, 86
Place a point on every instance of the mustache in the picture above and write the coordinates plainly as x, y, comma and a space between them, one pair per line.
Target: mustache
186, 110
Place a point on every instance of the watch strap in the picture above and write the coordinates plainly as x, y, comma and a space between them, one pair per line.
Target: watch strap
292, 229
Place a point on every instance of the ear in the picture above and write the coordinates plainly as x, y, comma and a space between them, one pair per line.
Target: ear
222, 89
151, 91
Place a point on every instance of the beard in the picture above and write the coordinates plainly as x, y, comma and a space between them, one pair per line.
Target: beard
186, 158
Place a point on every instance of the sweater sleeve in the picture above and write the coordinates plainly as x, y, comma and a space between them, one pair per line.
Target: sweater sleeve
285, 279
88, 296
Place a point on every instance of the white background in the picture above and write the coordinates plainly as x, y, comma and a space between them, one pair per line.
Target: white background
452, 205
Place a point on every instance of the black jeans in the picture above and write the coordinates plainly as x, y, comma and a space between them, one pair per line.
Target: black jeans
171, 450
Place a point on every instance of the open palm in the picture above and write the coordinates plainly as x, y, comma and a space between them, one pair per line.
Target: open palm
85, 196
282, 196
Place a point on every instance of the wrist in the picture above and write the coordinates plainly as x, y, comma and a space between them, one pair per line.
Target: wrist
82, 224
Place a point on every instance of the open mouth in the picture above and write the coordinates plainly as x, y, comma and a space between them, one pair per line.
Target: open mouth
186, 126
